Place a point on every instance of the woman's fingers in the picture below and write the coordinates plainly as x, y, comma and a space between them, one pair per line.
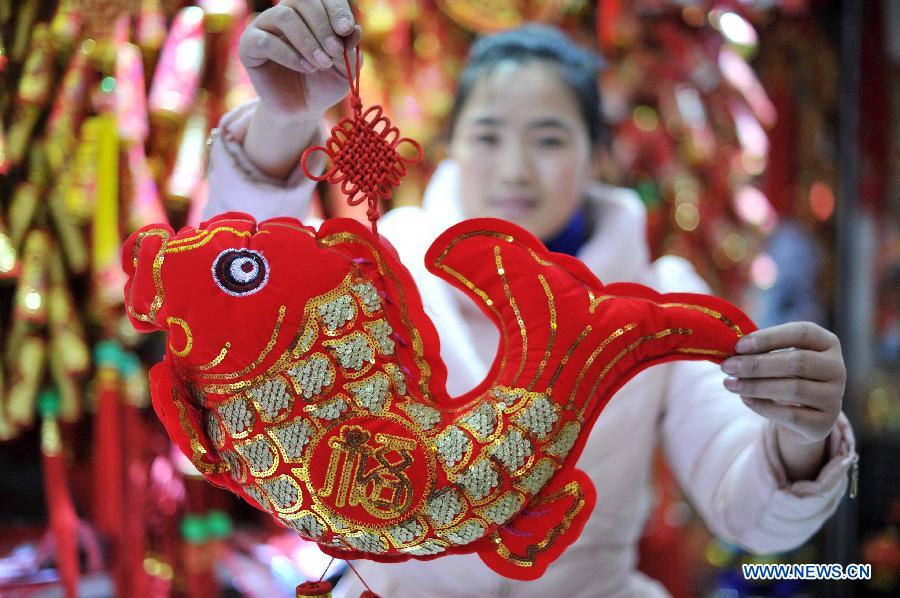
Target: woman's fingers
341, 17
786, 391
804, 420
285, 22
799, 363
259, 46
801, 335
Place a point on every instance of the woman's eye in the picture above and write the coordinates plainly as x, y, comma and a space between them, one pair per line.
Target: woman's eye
487, 139
551, 142
240, 272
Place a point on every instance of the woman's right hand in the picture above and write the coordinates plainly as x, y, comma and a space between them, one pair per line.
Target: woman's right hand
293, 54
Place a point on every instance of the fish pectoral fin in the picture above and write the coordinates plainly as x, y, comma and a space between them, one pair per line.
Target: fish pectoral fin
525, 546
184, 424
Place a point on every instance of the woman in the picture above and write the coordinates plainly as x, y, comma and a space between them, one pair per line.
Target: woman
762, 452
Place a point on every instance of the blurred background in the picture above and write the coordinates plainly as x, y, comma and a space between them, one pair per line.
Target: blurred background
762, 135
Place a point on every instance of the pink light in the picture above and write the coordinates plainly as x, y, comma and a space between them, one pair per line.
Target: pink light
754, 208
821, 201
764, 271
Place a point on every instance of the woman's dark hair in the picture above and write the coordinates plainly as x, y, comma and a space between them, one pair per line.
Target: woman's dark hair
578, 67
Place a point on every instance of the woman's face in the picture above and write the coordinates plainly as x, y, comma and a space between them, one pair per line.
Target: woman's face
523, 148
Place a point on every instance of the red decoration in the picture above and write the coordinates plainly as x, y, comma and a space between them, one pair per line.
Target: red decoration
303, 374
365, 160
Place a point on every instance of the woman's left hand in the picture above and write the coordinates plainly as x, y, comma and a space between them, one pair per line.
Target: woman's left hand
792, 374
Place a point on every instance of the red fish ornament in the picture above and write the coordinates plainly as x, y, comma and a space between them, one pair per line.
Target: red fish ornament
303, 374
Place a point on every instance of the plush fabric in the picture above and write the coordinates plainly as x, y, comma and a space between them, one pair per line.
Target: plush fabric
303, 374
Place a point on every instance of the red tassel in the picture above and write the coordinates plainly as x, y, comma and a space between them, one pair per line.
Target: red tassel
107, 458
63, 520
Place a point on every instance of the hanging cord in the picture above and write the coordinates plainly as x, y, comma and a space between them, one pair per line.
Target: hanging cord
363, 150
321, 577
359, 576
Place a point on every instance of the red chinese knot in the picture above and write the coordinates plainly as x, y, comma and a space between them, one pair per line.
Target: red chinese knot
365, 160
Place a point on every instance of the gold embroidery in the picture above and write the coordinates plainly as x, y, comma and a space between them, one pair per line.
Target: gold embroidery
444, 507
384, 491
198, 451
337, 312
512, 450
273, 400
523, 333
551, 307
538, 417
566, 357
158, 259
381, 331
590, 360
237, 416
262, 356
292, 438
535, 478
219, 358
189, 343
709, 312
453, 447
480, 480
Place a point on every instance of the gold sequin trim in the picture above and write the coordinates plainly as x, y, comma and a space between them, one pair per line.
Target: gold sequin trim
189, 343
237, 416
352, 351
292, 438
452, 445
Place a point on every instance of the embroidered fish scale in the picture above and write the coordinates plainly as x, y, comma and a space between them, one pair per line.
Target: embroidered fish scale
465, 533
214, 429
331, 410
338, 312
480, 479
352, 351
503, 508
426, 548
564, 441
538, 418
535, 478
237, 415
481, 422
368, 295
283, 491
512, 450
452, 445
306, 525
256, 494
406, 532
293, 438
381, 332
444, 507
367, 542
424, 415
372, 393
259, 456
397, 378
272, 396
312, 375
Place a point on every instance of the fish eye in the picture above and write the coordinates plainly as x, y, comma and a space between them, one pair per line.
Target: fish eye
240, 272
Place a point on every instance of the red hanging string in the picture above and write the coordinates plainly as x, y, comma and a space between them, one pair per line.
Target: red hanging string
364, 155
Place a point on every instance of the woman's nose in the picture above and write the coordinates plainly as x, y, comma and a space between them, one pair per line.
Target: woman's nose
514, 163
